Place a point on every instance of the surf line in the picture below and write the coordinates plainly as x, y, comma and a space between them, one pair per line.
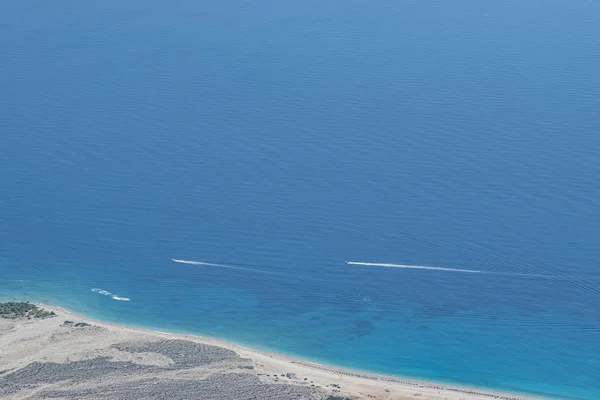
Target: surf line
406, 266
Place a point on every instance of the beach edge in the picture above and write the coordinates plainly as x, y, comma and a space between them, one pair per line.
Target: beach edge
278, 361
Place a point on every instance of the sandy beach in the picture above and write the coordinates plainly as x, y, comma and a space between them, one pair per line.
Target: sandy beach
62, 358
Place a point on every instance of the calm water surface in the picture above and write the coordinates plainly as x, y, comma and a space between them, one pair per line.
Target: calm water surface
285, 138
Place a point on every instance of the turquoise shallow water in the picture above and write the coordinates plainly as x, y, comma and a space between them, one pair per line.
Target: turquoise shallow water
284, 139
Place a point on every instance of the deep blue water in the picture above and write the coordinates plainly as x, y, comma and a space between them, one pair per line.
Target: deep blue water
285, 138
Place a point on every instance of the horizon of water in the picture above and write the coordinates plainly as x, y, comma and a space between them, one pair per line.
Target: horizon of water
407, 188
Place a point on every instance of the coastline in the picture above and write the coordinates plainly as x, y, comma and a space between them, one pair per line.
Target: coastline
352, 383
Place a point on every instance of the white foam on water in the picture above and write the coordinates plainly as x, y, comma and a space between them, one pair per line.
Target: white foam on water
100, 291
107, 293
406, 266
202, 263
471, 271
208, 264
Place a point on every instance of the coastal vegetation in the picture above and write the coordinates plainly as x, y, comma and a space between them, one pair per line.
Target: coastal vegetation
13, 310
76, 325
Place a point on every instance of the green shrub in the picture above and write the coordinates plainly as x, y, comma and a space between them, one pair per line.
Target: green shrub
24, 309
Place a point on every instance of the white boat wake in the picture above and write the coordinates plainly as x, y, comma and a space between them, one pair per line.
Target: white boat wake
100, 291
201, 263
112, 296
208, 264
463, 270
406, 266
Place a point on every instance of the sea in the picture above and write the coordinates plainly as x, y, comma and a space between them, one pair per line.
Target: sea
404, 187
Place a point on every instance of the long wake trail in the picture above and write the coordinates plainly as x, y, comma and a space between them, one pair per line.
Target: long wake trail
406, 266
468, 271
208, 264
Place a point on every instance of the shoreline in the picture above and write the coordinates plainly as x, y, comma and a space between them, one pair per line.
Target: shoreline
355, 382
